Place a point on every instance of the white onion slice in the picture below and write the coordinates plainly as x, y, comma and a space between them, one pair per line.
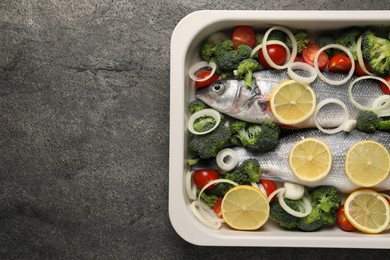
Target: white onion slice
302, 66
293, 191
190, 186
215, 182
258, 47
325, 102
201, 214
349, 125
197, 66
379, 102
274, 193
203, 113
227, 159
360, 56
327, 80
293, 43
292, 212
371, 108
261, 188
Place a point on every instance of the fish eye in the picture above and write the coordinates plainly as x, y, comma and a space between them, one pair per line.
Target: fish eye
218, 87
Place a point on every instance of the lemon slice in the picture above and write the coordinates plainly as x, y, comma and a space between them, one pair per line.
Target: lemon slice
245, 208
368, 211
292, 102
367, 163
310, 159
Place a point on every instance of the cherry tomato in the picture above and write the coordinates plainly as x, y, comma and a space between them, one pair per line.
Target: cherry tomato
202, 177
297, 59
384, 87
269, 187
243, 35
203, 74
342, 220
340, 63
358, 70
309, 52
217, 208
276, 52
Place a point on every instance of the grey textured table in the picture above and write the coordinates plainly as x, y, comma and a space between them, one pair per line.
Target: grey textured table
84, 130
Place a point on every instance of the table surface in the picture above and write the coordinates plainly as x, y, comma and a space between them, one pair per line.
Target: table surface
84, 115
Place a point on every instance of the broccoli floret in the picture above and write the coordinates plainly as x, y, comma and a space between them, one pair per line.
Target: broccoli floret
312, 222
245, 70
211, 48
202, 124
302, 38
196, 105
227, 61
348, 38
376, 51
208, 199
327, 200
262, 137
251, 167
367, 121
326, 39
281, 217
208, 145
237, 176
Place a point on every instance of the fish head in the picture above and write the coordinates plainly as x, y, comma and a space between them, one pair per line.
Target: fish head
219, 95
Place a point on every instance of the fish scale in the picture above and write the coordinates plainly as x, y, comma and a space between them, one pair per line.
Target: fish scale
275, 164
231, 96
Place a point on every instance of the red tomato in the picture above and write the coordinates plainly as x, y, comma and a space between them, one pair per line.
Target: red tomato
340, 63
217, 208
276, 52
309, 52
342, 220
203, 74
358, 69
269, 187
384, 87
297, 59
243, 35
202, 177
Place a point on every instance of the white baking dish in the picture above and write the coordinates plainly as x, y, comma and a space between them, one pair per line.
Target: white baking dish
185, 42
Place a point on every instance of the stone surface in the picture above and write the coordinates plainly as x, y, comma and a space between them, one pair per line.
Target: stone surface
84, 129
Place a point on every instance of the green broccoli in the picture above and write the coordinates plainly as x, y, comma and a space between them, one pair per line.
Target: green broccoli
208, 199
281, 217
302, 38
326, 39
237, 176
262, 137
327, 200
204, 123
212, 48
367, 121
245, 70
348, 38
252, 168
312, 222
376, 51
228, 61
208, 145
196, 105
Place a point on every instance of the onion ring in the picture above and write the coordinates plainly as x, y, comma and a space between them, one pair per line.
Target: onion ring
293, 43
306, 202
190, 186
379, 102
197, 66
227, 159
202, 113
301, 66
361, 107
360, 56
258, 47
208, 221
325, 102
325, 79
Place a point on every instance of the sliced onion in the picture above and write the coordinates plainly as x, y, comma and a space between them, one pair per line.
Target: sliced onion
302, 66
380, 101
258, 47
293, 43
274, 193
371, 108
200, 65
327, 80
360, 56
292, 212
261, 188
204, 217
293, 191
202, 113
215, 182
190, 186
325, 102
227, 159
349, 125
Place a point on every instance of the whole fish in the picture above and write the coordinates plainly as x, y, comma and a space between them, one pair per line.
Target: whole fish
233, 98
275, 164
